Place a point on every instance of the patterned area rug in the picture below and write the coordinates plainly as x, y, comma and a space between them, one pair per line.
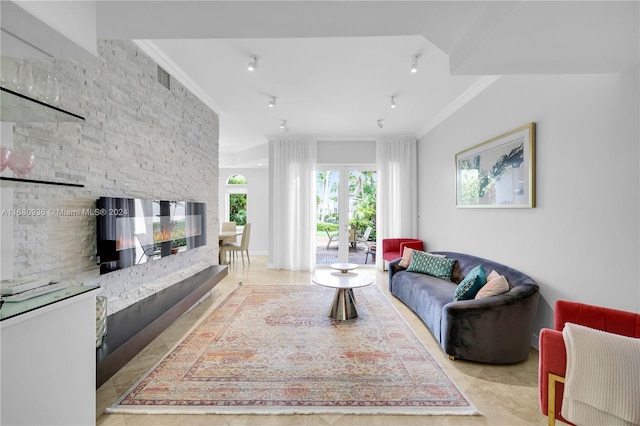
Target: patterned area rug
273, 350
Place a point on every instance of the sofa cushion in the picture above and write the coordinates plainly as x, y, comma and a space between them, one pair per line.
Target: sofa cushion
439, 267
472, 283
496, 284
408, 254
406, 258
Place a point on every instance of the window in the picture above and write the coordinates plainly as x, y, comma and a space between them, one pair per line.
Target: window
236, 208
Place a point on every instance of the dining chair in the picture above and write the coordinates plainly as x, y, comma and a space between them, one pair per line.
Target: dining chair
229, 226
242, 247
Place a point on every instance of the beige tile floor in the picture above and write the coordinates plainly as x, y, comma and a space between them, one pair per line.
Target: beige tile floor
504, 394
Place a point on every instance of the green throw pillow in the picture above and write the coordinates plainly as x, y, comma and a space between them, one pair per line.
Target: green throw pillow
424, 263
472, 283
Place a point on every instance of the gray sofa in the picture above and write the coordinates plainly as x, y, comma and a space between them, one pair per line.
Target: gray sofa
494, 329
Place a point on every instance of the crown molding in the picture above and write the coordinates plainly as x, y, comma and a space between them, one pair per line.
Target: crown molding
472, 91
161, 58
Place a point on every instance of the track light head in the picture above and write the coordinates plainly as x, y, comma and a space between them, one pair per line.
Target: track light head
253, 63
272, 102
283, 124
393, 102
380, 123
414, 64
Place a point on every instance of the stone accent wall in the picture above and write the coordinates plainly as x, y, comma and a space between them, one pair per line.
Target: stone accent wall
139, 140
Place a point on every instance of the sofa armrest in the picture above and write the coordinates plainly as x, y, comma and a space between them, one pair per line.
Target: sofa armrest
393, 268
493, 329
552, 359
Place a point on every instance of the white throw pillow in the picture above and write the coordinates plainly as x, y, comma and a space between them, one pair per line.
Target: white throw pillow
496, 284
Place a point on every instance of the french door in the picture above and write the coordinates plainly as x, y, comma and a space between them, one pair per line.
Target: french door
345, 212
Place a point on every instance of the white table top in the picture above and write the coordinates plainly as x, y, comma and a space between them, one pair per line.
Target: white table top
337, 279
228, 234
343, 266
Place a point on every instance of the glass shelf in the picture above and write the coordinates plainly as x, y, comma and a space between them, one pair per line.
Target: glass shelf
42, 182
20, 108
13, 309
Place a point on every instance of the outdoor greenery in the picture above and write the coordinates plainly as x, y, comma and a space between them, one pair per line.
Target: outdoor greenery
238, 209
323, 226
236, 180
362, 193
362, 202
237, 202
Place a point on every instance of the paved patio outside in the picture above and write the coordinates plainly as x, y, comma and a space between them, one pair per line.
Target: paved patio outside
328, 256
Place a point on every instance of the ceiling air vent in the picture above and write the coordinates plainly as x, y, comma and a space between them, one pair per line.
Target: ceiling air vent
164, 78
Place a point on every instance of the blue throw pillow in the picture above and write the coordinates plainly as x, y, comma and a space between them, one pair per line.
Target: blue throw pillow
425, 263
472, 283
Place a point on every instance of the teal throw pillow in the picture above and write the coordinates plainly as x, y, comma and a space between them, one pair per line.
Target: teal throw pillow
425, 263
471, 284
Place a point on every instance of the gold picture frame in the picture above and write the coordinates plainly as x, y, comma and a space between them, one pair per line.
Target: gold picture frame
498, 173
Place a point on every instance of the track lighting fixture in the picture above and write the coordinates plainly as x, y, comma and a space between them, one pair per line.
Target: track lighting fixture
253, 63
414, 64
272, 102
380, 123
393, 102
283, 124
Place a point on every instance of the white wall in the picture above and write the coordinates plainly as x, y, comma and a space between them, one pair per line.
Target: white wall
581, 242
346, 152
257, 204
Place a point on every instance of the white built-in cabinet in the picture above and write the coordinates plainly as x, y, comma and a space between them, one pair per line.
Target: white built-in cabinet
48, 359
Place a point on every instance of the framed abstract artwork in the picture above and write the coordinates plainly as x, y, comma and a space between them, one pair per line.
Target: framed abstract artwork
498, 173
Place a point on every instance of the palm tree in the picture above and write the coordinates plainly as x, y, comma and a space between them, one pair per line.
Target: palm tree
323, 178
362, 192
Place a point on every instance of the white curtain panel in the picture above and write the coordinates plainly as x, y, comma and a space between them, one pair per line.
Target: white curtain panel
292, 204
397, 194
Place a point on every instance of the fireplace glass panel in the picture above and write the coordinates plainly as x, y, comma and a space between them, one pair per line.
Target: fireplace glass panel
134, 231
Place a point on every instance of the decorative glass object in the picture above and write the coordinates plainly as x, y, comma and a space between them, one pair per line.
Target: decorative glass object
51, 88
4, 157
21, 162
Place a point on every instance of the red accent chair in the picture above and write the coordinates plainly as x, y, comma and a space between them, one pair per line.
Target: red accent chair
553, 355
392, 248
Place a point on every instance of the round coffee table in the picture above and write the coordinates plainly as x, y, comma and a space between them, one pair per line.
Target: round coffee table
343, 306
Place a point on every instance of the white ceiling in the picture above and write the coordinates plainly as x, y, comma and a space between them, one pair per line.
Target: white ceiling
333, 65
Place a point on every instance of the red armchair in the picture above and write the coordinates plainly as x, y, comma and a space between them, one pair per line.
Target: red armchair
553, 358
392, 248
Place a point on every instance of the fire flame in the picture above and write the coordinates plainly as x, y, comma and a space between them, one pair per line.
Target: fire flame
123, 243
162, 235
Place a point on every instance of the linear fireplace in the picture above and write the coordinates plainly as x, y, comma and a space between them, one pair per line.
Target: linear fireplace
132, 231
